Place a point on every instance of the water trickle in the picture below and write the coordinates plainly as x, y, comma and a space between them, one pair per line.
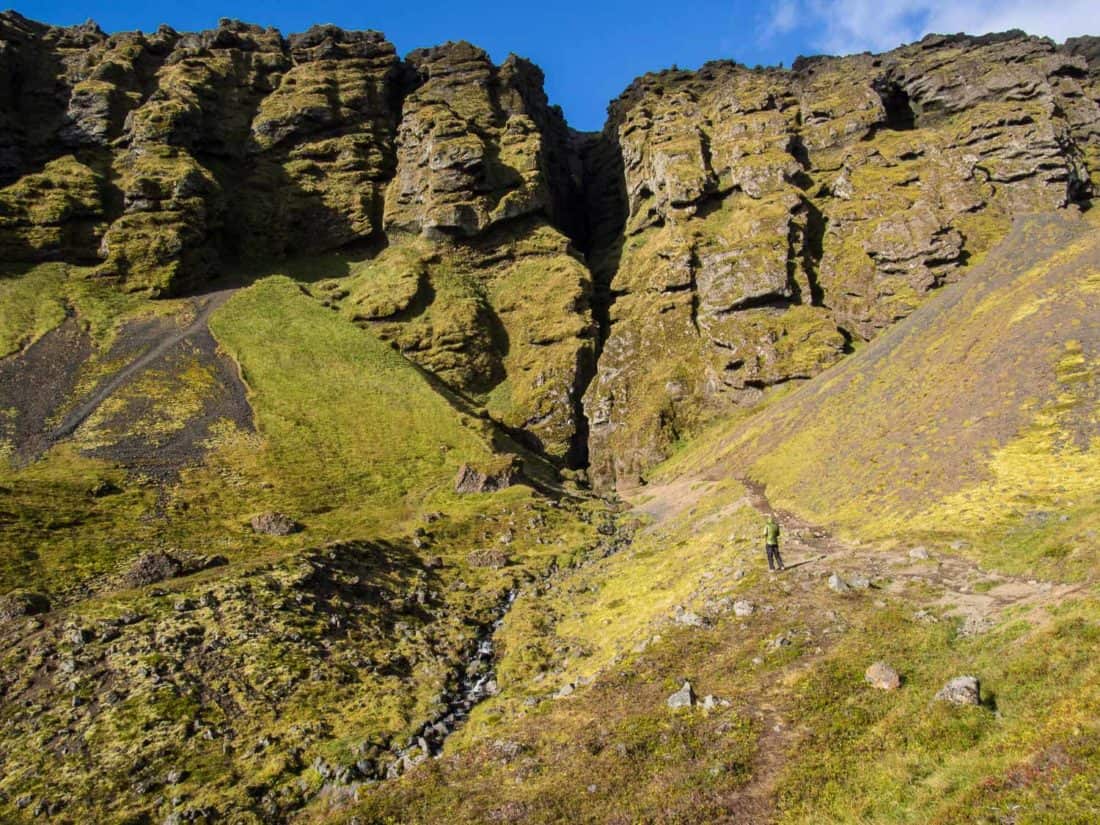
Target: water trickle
476, 683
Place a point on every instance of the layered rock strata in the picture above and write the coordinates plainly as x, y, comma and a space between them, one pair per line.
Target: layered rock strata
767, 219
739, 228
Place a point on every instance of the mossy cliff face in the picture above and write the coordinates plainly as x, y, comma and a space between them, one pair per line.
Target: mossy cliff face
740, 228
167, 158
766, 218
493, 299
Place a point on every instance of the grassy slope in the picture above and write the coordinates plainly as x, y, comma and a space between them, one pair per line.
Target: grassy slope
350, 425
985, 397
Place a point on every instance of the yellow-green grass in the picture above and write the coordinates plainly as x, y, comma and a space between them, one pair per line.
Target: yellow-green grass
1031, 752
55, 534
803, 724
35, 299
350, 428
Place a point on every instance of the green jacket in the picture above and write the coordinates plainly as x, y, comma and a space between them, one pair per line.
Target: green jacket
771, 532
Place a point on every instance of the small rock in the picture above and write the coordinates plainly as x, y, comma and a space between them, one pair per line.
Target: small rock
925, 617
500, 473
565, 690
882, 676
782, 640
488, 557
740, 574
683, 698
962, 690
78, 636
275, 524
837, 584
687, 618
919, 553
859, 583
103, 488
108, 634
712, 702
151, 568
743, 608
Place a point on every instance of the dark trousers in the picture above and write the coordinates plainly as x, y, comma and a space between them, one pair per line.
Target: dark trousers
775, 561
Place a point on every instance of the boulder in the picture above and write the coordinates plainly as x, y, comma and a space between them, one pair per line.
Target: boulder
882, 676
151, 568
489, 477
275, 524
19, 603
683, 698
962, 690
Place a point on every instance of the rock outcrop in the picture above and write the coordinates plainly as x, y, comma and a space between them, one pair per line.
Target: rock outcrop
739, 228
766, 218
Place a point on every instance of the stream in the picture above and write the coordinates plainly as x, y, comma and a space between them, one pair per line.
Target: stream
477, 682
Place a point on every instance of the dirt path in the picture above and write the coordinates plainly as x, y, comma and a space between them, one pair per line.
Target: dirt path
204, 306
967, 591
941, 586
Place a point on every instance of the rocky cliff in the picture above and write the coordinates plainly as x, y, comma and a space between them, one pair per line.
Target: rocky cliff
770, 219
730, 230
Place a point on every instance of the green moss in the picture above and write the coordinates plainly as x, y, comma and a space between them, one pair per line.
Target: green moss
347, 421
30, 305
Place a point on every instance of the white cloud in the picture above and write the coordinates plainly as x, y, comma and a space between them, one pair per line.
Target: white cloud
845, 26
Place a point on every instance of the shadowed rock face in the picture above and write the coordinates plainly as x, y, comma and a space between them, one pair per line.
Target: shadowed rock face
740, 228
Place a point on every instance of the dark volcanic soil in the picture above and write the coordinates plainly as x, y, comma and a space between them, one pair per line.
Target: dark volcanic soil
35, 385
38, 386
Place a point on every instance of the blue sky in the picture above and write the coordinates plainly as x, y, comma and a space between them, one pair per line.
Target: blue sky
591, 50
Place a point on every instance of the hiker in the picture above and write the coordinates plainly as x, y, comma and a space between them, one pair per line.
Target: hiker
771, 544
